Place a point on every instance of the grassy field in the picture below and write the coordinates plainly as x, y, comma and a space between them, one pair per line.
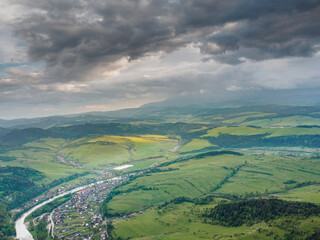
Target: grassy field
182, 221
52, 144
101, 151
196, 177
195, 144
291, 121
271, 132
41, 159
93, 153
278, 118
247, 175
304, 194
269, 174
246, 116
190, 179
299, 151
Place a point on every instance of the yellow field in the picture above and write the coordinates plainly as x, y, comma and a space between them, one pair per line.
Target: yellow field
138, 139
103, 150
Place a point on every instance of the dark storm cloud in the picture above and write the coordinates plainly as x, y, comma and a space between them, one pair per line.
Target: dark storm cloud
74, 37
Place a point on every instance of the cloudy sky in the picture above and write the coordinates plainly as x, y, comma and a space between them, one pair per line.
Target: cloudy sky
69, 56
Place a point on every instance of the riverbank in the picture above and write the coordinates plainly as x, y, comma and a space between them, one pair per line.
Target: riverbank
22, 232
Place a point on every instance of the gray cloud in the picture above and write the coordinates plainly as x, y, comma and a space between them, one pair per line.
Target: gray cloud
122, 53
181, 73
75, 37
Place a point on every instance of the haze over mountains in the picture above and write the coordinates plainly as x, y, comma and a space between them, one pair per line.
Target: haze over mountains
149, 119
155, 120
195, 103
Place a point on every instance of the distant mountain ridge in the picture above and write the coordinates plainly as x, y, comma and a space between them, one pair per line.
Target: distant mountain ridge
155, 114
17, 137
155, 120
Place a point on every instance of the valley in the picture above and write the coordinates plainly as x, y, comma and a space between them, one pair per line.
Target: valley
160, 179
159, 120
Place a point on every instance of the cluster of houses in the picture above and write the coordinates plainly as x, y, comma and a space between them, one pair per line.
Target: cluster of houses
61, 159
66, 187
79, 218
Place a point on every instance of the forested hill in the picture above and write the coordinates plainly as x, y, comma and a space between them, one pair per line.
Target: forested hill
180, 121
6, 227
160, 114
4, 131
256, 210
21, 136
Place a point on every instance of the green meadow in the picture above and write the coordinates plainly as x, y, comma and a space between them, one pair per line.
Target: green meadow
303, 194
183, 221
96, 152
272, 176
195, 144
246, 116
291, 121
240, 175
41, 159
191, 178
52, 144
177, 164
270, 132
92, 153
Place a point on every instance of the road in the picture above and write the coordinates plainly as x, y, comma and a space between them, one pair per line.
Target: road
51, 226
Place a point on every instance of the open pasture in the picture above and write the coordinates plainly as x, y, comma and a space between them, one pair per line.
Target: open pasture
183, 221
95, 152
245, 116
304, 194
52, 144
191, 178
291, 121
225, 174
195, 144
271, 174
270, 132
40, 159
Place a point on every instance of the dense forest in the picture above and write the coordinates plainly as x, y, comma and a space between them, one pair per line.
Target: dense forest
20, 197
18, 178
256, 210
40, 230
22, 172
6, 227
19, 184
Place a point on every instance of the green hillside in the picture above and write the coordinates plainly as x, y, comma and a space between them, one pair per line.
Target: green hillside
187, 160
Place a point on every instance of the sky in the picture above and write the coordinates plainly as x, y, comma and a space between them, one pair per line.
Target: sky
71, 56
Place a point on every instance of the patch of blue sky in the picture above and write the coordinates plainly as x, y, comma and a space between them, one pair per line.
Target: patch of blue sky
27, 66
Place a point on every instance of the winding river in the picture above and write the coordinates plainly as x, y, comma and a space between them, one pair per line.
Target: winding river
21, 229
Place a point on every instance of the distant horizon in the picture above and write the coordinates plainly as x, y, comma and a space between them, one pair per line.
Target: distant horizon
168, 106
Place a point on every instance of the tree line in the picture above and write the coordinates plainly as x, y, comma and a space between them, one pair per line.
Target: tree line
256, 210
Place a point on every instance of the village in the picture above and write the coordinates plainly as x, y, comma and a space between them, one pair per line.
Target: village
101, 175
79, 217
